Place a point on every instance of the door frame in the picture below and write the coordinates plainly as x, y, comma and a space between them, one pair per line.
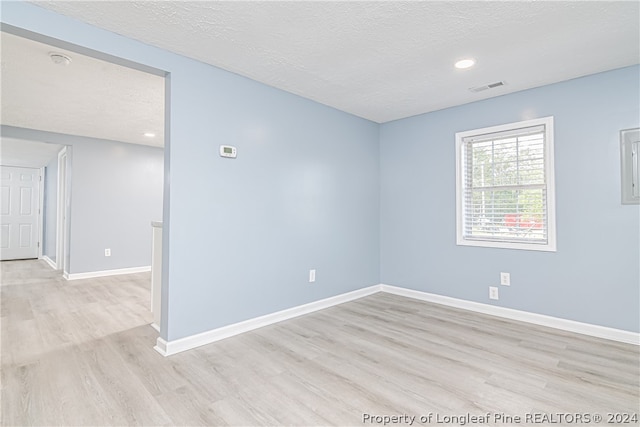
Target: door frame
62, 212
40, 212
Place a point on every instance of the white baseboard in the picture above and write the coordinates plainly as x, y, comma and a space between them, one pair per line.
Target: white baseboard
523, 316
103, 273
161, 347
50, 262
167, 348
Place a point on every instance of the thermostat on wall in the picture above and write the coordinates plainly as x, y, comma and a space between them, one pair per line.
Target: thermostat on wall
228, 151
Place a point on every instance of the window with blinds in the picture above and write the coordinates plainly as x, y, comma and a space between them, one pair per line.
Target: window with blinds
505, 194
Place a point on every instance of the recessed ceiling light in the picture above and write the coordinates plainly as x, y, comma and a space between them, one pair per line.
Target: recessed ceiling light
59, 59
465, 63
149, 134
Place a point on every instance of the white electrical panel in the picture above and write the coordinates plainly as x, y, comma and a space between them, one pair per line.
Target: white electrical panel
630, 159
228, 151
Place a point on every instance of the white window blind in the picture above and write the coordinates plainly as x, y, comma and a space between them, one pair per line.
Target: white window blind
504, 186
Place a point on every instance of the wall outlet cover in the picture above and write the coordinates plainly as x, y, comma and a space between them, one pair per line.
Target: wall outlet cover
493, 292
505, 279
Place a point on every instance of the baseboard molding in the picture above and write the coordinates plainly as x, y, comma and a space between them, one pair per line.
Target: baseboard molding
161, 347
167, 348
523, 316
50, 262
103, 273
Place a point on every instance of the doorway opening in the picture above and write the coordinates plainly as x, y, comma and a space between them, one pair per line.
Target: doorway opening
107, 122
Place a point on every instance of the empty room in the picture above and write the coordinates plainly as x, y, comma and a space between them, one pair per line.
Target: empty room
320, 213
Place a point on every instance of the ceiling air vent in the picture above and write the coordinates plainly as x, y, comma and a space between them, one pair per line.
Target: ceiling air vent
485, 87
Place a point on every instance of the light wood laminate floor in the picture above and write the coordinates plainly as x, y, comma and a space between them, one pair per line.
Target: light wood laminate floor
80, 353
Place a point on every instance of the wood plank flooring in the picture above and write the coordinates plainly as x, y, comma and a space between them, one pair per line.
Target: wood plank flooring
80, 353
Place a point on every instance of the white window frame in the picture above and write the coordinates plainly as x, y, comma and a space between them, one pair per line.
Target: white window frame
550, 246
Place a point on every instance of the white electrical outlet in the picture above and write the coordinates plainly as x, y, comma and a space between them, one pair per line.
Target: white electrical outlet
312, 276
505, 279
493, 292
107, 252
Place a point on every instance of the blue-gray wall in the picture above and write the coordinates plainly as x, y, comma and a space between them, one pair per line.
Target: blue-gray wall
593, 277
302, 194
115, 193
50, 209
241, 235
313, 187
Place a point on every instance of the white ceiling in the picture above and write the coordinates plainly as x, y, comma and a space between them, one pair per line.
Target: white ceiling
380, 60
88, 97
383, 60
27, 154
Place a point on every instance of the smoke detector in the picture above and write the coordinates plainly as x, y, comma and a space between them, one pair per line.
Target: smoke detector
59, 58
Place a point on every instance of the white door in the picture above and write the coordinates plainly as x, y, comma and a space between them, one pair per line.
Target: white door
19, 205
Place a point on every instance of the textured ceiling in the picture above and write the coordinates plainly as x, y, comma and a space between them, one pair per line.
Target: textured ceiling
388, 59
378, 60
27, 154
88, 97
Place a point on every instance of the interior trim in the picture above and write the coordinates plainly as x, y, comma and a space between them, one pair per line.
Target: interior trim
522, 316
103, 273
168, 348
